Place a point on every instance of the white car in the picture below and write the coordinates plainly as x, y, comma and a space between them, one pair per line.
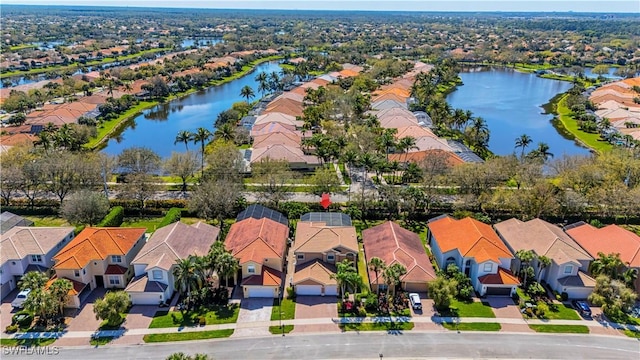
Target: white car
18, 302
415, 301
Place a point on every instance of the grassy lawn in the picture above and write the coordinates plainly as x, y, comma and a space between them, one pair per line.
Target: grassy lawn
288, 310
108, 127
562, 312
377, 326
277, 330
26, 342
469, 309
625, 319
214, 315
105, 326
47, 220
362, 269
101, 341
151, 223
632, 334
343, 170
573, 329
473, 326
184, 336
593, 141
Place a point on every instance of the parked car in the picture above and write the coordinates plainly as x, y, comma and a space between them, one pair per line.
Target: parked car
582, 307
18, 302
415, 301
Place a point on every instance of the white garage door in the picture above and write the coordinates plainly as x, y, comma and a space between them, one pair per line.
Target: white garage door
579, 292
261, 292
331, 290
308, 289
145, 298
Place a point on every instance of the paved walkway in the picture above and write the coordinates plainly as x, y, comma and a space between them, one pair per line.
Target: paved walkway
261, 327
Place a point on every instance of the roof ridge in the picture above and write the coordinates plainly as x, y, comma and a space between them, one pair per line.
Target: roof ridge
395, 238
35, 240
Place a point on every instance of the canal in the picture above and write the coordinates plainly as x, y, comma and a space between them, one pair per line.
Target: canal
511, 103
156, 128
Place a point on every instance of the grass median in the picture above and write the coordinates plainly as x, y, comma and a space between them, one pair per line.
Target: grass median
569, 329
472, 326
185, 336
277, 330
377, 326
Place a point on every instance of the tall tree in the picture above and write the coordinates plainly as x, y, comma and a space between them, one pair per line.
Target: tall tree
186, 276
607, 264
59, 290
139, 160
247, 92
183, 165
274, 180
184, 136
522, 142
85, 207
111, 307
377, 265
33, 280
525, 257
202, 136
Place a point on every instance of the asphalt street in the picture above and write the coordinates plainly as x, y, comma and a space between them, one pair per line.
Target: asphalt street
414, 345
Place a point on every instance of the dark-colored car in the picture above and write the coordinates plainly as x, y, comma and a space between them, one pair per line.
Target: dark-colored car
582, 307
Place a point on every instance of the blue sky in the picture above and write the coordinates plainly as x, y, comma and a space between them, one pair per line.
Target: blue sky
627, 6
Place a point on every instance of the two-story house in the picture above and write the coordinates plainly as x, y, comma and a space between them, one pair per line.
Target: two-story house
611, 239
476, 250
99, 257
258, 239
395, 245
25, 249
322, 240
569, 262
153, 281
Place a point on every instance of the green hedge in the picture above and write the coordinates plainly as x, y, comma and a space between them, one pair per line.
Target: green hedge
172, 216
114, 218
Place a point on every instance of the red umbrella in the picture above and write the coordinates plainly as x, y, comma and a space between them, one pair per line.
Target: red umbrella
325, 201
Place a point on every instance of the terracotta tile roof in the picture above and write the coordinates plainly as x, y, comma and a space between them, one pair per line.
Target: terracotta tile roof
20, 241
277, 117
262, 129
291, 96
285, 106
268, 277
77, 285
317, 237
610, 239
175, 242
96, 244
256, 239
284, 138
395, 122
388, 104
470, 237
115, 270
398, 111
420, 156
432, 143
415, 131
17, 139
316, 271
393, 244
543, 238
389, 96
347, 73
503, 277
394, 89
283, 152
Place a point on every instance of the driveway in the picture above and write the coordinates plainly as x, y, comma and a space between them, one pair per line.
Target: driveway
6, 310
83, 319
503, 307
254, 311
315, 307
139, 317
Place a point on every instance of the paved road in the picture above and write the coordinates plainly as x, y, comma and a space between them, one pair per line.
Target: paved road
369, 345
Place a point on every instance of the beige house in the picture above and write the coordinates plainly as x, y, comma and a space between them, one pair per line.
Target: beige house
322, 240
98, 257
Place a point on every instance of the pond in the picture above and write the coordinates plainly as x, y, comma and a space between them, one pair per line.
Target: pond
511, 103
610, 75
157, 127
186, 43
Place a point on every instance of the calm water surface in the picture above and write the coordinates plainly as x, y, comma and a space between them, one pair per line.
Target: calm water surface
510, 102
157, 127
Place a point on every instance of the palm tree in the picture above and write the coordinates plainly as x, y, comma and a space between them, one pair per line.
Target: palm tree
525, 257
345, 275
542, 152
59, 289
607, 264
227, 266
629, 277
247, 92
543, 263
263, 83
201, 136
184, 136
522, 142
387, 140
185, 274
392, 275
406, 144
377, 265
225, 132
33, 280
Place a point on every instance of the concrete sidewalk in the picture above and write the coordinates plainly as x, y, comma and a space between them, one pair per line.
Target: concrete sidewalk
266, 324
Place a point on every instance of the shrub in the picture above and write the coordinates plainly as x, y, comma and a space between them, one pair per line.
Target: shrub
114, 218
371, 302
22, 319
172, 216
202, 321
362, 312
541, 309
564, 296
290, 293
11, 329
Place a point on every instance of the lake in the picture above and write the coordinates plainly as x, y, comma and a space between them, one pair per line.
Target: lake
511, 103
156, 128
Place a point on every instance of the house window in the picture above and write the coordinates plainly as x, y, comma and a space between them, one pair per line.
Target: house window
300, 257
114, 280
331, 257
568, 269
76, 273
157, 274
251, 269
116, 258
36, 258
488, 267
84, 271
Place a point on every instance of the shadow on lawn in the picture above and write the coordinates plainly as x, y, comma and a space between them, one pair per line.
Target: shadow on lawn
192, 317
